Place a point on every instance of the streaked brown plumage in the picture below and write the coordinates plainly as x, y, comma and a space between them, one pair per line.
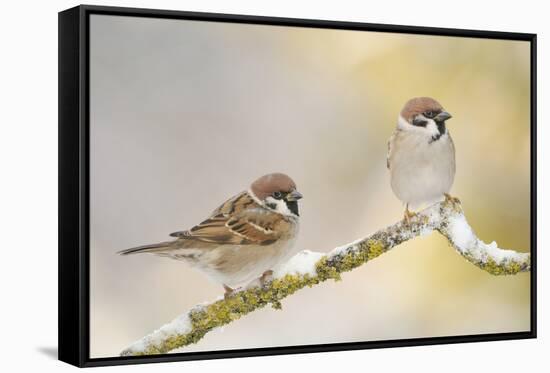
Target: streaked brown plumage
241, 221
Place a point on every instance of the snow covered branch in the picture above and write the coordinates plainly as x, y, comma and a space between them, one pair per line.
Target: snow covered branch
309, 268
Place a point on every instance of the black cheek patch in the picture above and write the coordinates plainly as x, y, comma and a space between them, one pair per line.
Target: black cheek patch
293, 206
419, 122
441, 127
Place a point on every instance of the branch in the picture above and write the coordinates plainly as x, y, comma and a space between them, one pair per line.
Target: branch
309, 268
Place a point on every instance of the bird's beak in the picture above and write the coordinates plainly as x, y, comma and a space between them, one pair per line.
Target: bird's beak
443, 116
294, 196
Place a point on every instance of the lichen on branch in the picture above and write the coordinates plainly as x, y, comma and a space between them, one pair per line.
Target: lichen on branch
309, 268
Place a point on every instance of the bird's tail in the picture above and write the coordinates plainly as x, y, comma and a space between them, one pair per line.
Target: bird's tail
154, 248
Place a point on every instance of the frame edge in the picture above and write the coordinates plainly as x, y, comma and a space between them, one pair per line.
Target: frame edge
69, 251
72, 260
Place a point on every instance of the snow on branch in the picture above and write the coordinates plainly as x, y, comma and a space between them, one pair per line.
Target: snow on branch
309, 268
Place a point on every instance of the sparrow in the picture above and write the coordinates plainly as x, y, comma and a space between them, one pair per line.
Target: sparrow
421, 154
243, 239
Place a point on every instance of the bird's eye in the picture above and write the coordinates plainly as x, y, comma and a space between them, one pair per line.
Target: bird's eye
277, 195
429, 114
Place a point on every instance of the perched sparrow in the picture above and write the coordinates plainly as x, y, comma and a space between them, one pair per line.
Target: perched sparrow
244, 238
421, 154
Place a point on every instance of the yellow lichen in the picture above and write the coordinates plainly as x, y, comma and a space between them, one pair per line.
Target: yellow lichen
375, 249
511, 267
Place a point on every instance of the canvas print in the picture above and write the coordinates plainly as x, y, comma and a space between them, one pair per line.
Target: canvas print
258, 186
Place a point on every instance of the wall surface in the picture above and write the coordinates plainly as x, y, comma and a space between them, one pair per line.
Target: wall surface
28, 156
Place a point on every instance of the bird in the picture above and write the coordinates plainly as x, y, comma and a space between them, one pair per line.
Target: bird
243, 239
421, 155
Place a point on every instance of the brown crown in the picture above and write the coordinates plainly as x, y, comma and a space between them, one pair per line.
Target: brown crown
276, 182
419, 105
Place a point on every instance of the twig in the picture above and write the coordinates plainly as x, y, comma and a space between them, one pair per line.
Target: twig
309, 268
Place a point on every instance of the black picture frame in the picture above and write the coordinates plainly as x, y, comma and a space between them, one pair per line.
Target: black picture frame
74, 183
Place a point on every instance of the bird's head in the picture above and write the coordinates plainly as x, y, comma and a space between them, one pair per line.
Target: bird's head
424, 115
277, 192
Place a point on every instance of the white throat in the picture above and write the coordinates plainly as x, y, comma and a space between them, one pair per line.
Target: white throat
280, 205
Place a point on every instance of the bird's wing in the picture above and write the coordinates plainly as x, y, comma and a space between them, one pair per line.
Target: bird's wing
236, 204
239, 221
453, 163
388, 155
232, 205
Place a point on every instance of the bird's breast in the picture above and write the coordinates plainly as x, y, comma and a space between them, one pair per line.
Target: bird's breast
422, 171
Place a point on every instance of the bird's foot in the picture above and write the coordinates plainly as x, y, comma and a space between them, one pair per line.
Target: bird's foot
228, 291
266, 277
409, 215
451, 199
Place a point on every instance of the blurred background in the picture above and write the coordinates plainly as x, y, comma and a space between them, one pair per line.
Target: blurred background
186, 114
